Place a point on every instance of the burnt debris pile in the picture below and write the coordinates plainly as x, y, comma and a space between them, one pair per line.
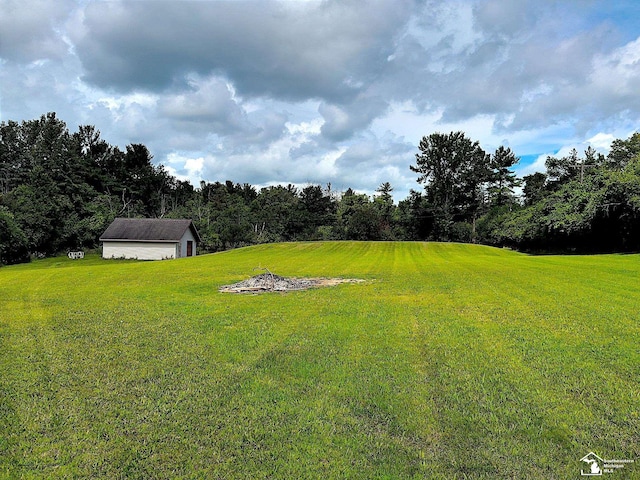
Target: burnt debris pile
269, 282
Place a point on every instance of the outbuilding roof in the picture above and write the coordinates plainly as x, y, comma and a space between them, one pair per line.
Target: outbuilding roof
148, 230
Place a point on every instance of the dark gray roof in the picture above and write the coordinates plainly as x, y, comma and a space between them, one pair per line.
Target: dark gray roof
148, 229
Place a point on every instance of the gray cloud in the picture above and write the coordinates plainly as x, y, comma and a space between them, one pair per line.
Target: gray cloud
209, 104
314, 50
28, 29
342, 121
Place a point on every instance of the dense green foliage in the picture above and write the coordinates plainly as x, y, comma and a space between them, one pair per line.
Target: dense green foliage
450, 361
589, 204
60, 190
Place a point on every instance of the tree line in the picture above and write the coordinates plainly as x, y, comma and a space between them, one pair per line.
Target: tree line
59, 190
582, 203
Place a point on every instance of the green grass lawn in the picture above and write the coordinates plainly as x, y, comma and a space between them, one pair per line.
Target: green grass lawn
450, 361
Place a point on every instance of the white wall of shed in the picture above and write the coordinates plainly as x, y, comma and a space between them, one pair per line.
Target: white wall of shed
140, 250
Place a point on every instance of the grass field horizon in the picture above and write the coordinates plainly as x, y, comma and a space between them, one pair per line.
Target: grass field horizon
449, 361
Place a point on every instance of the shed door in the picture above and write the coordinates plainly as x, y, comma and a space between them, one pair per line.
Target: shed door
189, 248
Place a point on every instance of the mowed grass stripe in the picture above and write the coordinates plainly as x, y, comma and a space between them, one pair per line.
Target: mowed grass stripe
462, 341
451, 361
490, 339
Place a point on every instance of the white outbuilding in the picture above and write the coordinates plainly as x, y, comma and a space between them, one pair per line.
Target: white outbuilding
149, 239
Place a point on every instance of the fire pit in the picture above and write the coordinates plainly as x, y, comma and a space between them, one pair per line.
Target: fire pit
269, 282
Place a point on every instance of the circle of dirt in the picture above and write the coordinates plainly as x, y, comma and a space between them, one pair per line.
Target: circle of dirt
268, 282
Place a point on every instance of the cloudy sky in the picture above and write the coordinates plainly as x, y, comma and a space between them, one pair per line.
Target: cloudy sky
276, 92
